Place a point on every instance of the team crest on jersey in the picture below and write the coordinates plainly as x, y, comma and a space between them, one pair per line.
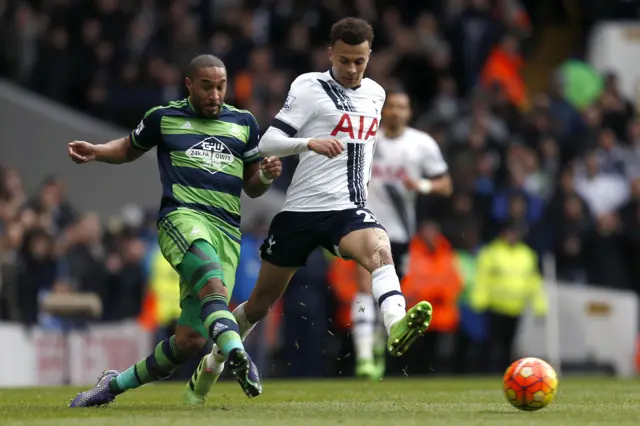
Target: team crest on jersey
288, 102
139, 129
212, 154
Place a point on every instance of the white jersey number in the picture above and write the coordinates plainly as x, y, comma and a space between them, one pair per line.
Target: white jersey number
368, 217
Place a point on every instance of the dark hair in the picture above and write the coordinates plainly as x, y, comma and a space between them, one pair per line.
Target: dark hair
352, 31
398, 91
203, 61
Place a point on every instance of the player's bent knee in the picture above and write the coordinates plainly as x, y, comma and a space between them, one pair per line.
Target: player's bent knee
189, 342
377, 258
212, 286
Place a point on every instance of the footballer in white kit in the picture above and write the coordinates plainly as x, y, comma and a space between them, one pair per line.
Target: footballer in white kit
330, 119
406, 162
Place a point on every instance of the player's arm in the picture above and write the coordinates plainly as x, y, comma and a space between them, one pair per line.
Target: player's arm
440, 185
258, 174
280, 138
438, 181
117, 151
122, 150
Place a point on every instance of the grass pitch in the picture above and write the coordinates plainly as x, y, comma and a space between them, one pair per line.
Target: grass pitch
403, 402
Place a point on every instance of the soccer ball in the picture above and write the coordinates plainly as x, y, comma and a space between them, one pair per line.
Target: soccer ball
530, 384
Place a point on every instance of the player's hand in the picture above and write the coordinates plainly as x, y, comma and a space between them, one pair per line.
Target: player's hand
81, 152
411, 184
328, 147
271, 167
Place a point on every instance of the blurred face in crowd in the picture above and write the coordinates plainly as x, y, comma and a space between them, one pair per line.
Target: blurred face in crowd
349, 62
607, 139
429, 232
396, 111
11, 184
207, 89
517, 207
573, 208
634, 132
511, 235
607, 224
566, 180
591, 162
89, 230
635, 188
40, 246
49, 196
14, 236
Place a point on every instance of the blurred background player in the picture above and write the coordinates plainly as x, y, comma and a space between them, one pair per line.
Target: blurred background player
325, 204
406, 162
207, 154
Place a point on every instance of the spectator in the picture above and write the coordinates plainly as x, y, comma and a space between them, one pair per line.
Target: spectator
507, 280
37, 272
630, 218
604, 193
432, 275
502, 68
606, 264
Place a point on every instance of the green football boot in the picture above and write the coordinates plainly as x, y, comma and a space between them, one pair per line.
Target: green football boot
366, 369
379, 353
196, 390
404, 332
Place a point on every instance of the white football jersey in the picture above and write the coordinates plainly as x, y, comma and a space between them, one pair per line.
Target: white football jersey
414, 154
317, 106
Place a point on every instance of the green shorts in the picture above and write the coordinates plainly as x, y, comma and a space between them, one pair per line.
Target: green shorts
177, 231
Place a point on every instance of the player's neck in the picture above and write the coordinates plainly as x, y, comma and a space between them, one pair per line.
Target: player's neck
333, 76
393, 133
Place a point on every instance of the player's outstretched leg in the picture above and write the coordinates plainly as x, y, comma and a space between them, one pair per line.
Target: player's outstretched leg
163, 361
379, 346
201, 265
371, 248
272, 282
363, 315
212, 365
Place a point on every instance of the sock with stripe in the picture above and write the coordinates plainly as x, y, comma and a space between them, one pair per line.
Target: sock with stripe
159, 365
221, 323
386, 290
363, 316
216, 357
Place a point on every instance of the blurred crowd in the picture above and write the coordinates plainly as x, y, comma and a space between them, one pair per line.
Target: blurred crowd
49, 248
564, 172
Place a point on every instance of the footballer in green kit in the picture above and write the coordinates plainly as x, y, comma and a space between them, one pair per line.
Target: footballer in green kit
207, 155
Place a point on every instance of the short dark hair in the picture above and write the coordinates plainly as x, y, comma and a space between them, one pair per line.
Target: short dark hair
203, 61
352, 31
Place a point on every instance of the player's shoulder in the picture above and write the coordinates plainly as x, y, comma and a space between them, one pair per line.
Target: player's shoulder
178, 107
308, 79
422, 138
240, 116
373, 88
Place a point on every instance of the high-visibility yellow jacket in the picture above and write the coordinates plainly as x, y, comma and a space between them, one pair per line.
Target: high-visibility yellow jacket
508, 280
164, 284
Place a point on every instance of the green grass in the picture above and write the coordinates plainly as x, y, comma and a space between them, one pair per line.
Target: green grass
424, 402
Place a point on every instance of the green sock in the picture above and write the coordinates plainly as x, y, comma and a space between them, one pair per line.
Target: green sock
159, 365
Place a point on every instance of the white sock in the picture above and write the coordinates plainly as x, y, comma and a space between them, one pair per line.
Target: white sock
245, 328
215, 361
386, 287
363, 315
379, 335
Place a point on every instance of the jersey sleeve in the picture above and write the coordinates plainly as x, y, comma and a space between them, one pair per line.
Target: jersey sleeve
298, 108
251, 153
433, 163
147, 134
